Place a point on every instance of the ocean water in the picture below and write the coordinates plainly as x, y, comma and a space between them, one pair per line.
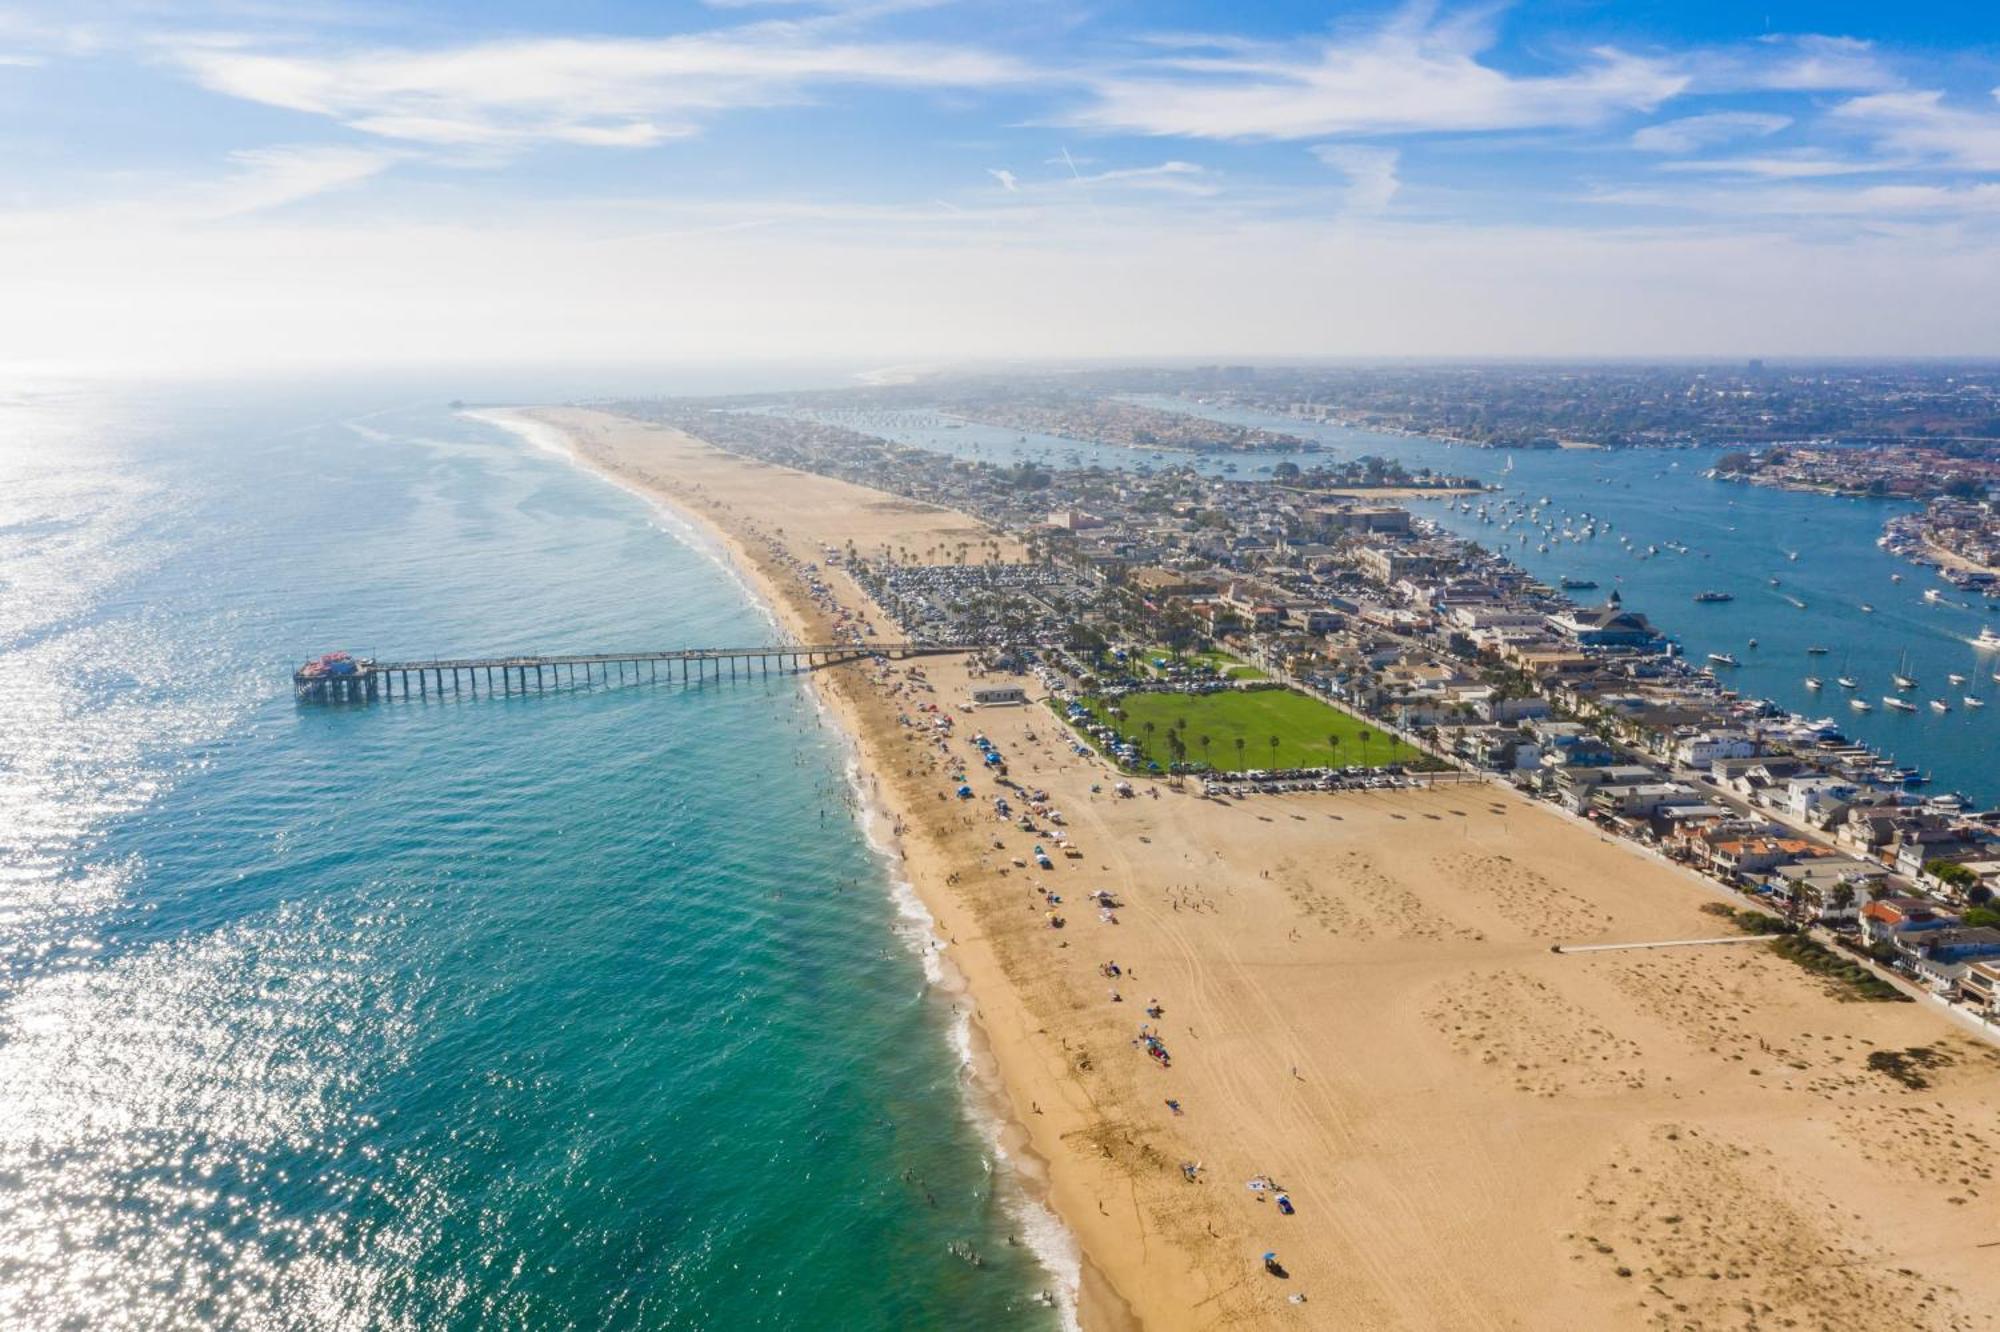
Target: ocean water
1738, 538
585, 1010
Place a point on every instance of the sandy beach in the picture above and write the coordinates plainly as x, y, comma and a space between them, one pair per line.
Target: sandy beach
1361, 1006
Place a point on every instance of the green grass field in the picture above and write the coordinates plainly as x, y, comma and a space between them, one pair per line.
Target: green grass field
1307, 730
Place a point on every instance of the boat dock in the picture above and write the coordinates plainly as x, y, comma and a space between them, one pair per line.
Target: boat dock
339, 677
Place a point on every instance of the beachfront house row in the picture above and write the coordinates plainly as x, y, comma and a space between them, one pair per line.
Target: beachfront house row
1834, 888
1941, 958
1979, 987
1894, 920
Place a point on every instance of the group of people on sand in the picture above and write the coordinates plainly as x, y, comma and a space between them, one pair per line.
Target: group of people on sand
934, 723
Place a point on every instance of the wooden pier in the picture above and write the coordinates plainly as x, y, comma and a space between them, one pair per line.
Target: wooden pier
338, 678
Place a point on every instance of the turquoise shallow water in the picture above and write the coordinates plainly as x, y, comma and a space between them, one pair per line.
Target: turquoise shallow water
578, 1011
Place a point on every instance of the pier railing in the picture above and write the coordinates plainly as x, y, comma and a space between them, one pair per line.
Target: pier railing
342, 679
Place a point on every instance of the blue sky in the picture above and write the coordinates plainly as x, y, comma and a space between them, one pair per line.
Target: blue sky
215, 183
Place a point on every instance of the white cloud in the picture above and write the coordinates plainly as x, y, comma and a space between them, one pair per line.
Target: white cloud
1817, 63
259, 180
272, 177
1371, 173
607, 91
1170, 177
1415, 74
1933, 202
1008, 180
1787, 166
1919, 123
1693, 133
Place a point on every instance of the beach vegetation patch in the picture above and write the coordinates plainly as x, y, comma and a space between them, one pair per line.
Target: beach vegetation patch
1845, 979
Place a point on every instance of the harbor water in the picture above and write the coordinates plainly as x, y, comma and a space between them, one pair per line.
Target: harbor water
589, 1009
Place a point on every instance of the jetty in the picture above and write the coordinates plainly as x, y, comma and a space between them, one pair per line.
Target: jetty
340, 677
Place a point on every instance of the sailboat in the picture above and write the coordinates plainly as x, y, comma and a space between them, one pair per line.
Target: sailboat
1904, 680
1846, 681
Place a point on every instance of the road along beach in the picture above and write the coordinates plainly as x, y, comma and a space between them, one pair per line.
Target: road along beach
1351, 1000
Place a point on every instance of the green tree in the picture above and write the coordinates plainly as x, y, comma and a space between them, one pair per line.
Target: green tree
1333, 746
1203, 741
1239, 751
1365, 737
1950, 873
1274, 751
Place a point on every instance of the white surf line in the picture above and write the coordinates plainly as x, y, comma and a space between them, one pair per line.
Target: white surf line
1664, 943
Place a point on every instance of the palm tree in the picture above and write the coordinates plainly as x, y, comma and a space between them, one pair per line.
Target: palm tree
1239, 751
1202, 740
1148, 728
1333, 747
1274, 751
1365, 738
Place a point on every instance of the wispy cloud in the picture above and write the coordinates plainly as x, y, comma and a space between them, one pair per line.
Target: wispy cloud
1417, 73
1691, 134
1372, 181
1787, 166
1813, 62
267, 178
611, 92
1170, 177
1008, 180
1820, 202
1920, 124
256, 181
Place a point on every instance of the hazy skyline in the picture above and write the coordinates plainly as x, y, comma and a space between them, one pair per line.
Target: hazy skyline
218, 185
